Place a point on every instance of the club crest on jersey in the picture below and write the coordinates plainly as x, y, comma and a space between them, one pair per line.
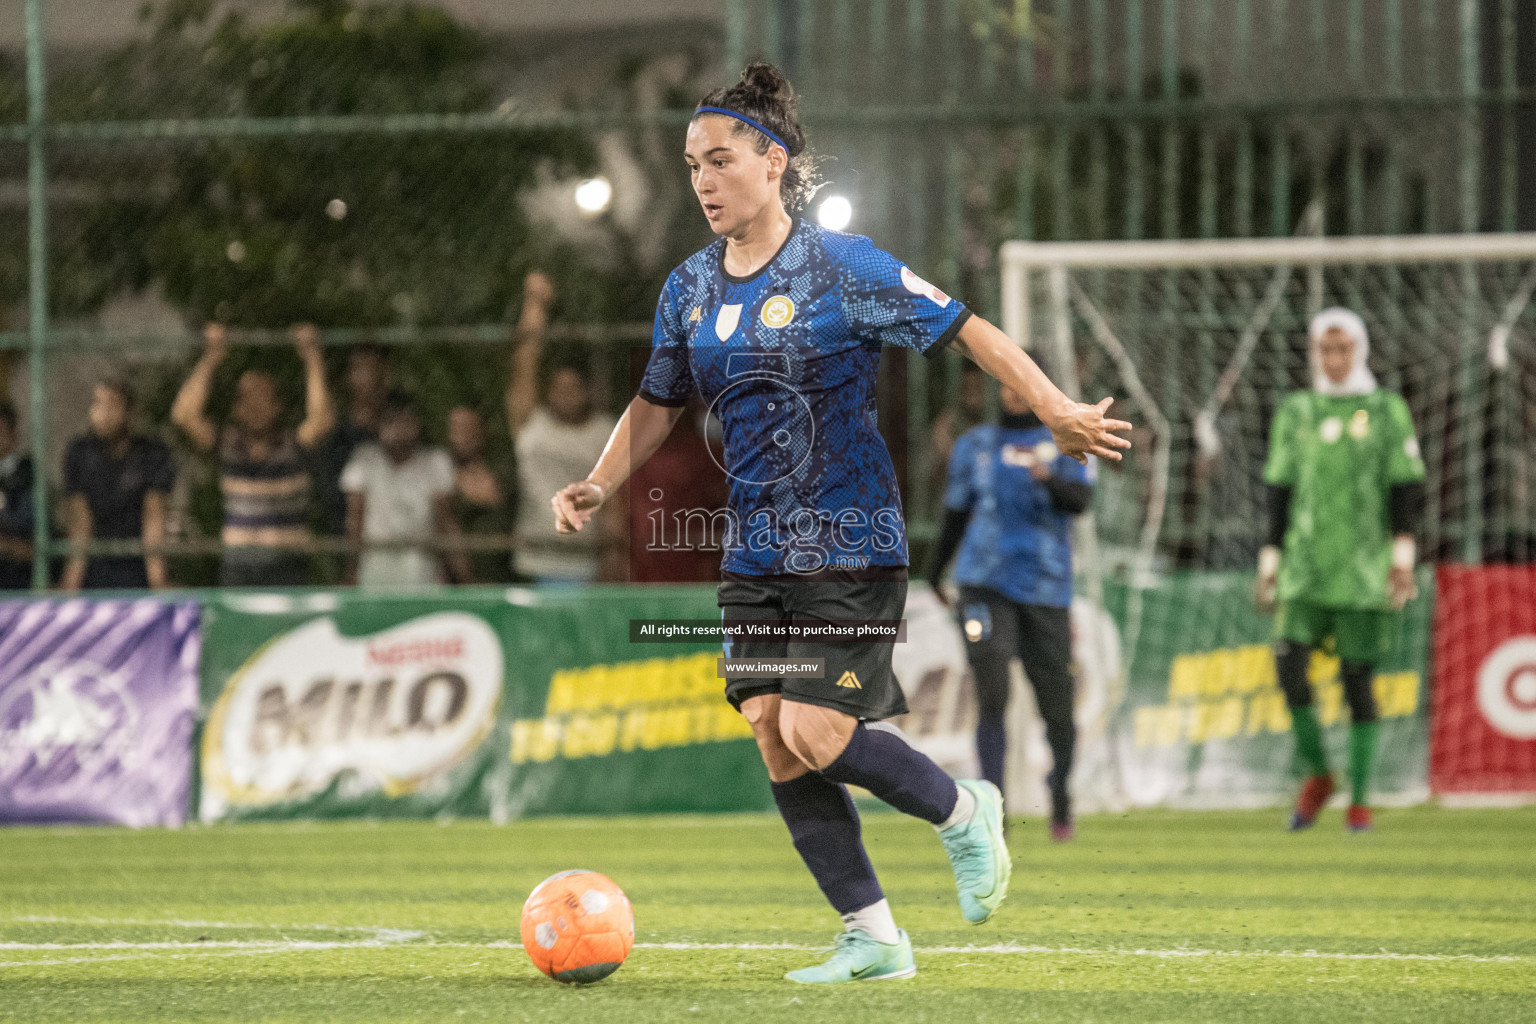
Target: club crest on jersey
1019, 455
1360, 425
726, 320
917, 286
778, 311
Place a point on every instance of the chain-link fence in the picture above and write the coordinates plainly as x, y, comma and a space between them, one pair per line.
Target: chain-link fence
391, 174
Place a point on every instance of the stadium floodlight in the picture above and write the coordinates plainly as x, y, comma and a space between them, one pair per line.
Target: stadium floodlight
593, 196
836, 213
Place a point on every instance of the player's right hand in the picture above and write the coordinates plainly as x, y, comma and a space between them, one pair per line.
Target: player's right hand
1264, 591
1084, 430
1267, 587
574, 504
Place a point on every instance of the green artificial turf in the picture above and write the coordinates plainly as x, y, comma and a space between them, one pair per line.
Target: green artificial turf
1147, 917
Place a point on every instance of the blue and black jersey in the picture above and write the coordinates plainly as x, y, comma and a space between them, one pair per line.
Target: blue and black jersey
787, 360
1017, 531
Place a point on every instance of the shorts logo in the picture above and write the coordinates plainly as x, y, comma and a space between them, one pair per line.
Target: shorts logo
917, 286
849, 681
778, 311
978, 621
726, 320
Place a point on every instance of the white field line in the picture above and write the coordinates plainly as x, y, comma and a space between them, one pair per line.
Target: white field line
175, 922
1011, 949
385, 938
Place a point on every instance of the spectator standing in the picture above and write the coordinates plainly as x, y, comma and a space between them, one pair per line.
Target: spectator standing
368, 380
263, 471
16, 518
557, 441
116, 483
679, 506
398, 490
483, 501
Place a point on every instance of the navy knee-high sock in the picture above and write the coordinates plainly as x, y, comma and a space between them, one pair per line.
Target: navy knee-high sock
825, 829
883, 762
992, 749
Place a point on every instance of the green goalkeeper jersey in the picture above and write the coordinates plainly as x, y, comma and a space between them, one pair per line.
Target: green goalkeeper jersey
1340, 457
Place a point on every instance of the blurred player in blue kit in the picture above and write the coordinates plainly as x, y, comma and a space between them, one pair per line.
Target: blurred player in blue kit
1008, 510
778, 325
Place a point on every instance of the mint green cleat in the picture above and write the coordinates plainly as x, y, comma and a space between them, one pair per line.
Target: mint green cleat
858, 957
979, 855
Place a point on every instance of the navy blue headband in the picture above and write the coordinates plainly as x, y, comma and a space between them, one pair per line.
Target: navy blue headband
746, 120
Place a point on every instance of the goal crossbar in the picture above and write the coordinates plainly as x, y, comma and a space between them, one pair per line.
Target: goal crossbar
1176, 253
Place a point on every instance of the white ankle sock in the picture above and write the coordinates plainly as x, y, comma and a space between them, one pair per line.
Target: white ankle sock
875, 921
965, 806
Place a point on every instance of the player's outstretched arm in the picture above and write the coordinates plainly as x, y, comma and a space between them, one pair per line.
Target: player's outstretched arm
1079, 429
640, 431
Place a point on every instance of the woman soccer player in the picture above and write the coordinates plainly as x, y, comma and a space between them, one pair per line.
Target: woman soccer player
1346, 484
778, 324
1008, 510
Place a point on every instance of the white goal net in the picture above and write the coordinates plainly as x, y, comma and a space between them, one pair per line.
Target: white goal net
1199, 341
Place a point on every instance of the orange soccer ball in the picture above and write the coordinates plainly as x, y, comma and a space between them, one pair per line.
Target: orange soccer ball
578, 926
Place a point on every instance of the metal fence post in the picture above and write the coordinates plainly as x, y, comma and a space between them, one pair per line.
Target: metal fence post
37, 287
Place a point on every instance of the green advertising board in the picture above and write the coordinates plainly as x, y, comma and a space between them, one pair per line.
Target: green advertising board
1203, 722
515, 702
493, 702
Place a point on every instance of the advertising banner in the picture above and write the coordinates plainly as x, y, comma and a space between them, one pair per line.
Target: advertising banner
471, 702
1484, 737
98, 702
1204, 723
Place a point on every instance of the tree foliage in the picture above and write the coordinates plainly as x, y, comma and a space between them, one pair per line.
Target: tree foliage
341, 229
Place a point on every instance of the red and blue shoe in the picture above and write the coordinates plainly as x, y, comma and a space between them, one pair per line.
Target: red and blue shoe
1358, 818
1314, 794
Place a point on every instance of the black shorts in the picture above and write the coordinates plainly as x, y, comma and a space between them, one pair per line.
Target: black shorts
857, 680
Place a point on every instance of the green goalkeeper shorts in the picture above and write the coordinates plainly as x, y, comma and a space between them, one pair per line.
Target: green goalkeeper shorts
1357, 634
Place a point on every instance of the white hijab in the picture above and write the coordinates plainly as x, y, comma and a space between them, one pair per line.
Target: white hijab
1360, 380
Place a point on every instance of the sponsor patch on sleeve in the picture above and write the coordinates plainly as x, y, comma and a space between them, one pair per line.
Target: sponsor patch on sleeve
917, 286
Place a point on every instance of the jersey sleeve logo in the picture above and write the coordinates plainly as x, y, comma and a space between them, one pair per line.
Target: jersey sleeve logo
726, 320
778, 311
917, 286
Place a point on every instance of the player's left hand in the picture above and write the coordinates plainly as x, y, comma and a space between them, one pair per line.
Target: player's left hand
1084, 430
1401, 587
574, 505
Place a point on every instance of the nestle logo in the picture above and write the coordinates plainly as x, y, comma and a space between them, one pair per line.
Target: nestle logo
415, 652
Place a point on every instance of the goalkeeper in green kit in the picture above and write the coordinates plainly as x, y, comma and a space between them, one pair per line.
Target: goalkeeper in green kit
1346, 486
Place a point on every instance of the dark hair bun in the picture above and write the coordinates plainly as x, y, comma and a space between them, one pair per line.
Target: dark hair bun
762, 77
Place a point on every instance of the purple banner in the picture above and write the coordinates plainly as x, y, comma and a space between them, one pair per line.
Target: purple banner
97, 705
